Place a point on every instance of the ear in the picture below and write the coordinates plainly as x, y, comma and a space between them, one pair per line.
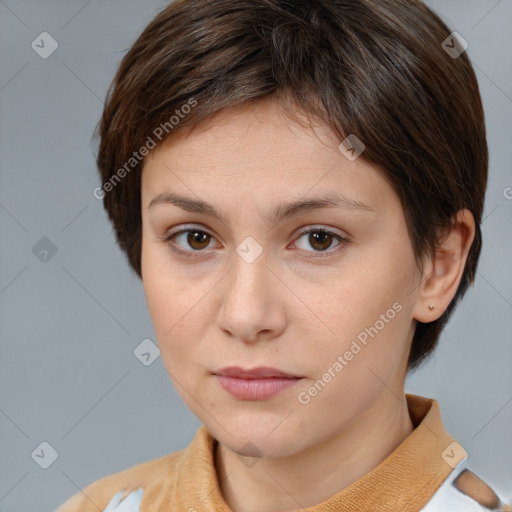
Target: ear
443, 270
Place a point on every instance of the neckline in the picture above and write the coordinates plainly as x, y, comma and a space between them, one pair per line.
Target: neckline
403, 482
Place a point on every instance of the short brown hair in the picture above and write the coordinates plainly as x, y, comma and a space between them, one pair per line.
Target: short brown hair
373, 68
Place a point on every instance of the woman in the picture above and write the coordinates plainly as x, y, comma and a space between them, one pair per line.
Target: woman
300, 187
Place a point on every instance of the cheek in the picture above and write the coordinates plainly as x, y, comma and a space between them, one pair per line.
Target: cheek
368, 311
166, 299
177, 310
171, 308
164, 290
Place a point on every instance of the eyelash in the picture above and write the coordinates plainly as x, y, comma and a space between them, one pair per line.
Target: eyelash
319, 254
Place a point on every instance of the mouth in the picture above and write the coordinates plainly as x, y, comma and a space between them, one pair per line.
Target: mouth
256, 384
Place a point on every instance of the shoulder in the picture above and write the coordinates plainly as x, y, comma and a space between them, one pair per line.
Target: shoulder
152, 477
464, 491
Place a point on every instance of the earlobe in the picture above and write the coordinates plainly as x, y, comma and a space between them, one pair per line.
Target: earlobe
444, 269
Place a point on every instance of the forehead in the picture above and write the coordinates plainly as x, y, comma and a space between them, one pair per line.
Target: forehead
256, 150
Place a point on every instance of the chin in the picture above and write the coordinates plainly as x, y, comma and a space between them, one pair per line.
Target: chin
253, 439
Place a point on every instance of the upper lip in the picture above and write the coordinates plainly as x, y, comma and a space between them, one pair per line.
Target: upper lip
261, 372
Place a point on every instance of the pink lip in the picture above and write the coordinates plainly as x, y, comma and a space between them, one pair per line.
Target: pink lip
256, 373
256, 384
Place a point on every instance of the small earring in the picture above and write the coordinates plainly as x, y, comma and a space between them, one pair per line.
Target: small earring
431, 307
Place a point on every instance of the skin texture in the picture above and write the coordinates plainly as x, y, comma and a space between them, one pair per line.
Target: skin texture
283, 310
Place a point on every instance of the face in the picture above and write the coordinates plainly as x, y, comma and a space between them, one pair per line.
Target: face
323, 294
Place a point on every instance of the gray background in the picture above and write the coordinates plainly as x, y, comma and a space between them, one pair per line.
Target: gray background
68, 375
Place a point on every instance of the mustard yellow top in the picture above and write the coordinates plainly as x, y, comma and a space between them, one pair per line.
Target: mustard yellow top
406, 481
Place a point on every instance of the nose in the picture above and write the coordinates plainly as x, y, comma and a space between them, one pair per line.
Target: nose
252, 307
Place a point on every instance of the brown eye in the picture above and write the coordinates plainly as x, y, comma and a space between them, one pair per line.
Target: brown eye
189, 241
320, 240
193, 242
197, 240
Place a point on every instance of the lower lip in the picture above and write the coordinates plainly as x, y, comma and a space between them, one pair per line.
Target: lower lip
255, 389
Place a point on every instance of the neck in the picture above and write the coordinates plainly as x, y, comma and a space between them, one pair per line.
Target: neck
285, 484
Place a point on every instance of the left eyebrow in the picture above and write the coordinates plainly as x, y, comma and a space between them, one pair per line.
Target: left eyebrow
330, 200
